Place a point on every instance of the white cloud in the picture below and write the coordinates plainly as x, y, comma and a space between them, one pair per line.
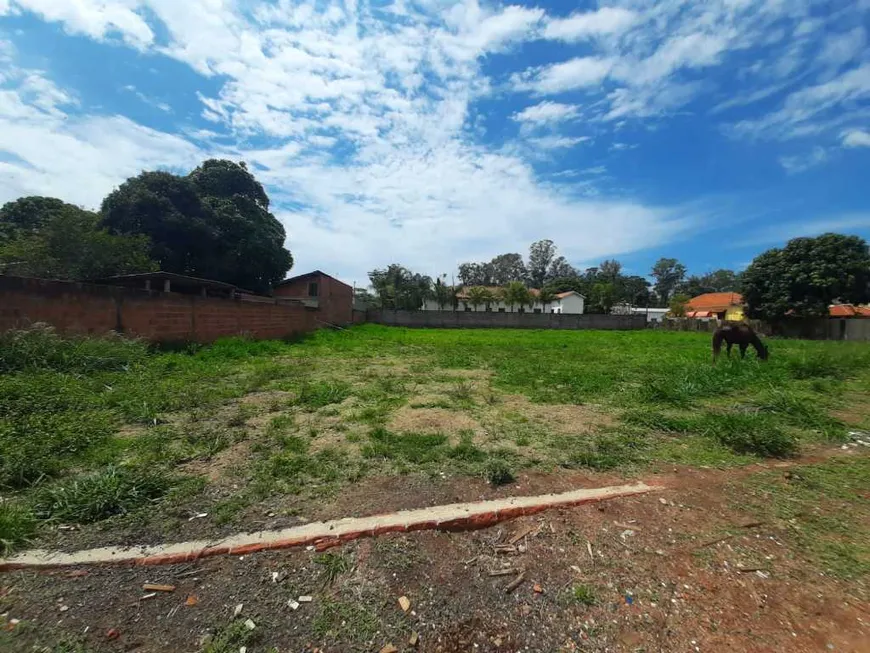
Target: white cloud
557, 142
606, 20
569, 75
848, 223
98, 19
546, 112
805, 111
856, 138
803, 162
843, 47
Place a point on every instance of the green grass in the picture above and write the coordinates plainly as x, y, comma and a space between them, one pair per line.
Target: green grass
823, 508
583, 595
345, 621
109, 492
333, 565
231, 637
17, 524
81, 417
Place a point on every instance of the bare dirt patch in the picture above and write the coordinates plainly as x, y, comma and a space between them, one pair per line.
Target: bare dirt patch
432, 420
221, 465
652, 573
568, 419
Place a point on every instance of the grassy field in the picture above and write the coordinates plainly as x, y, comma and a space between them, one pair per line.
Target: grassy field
110, 429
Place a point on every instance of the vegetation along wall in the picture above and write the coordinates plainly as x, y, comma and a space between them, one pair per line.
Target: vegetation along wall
73, 307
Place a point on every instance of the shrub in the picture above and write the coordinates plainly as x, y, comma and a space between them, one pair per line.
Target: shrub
498, 472
100, 495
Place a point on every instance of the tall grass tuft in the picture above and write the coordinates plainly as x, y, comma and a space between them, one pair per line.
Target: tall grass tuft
100, 495
41, 348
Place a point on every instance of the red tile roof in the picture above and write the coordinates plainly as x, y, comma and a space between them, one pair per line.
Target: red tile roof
715, 301
848, 310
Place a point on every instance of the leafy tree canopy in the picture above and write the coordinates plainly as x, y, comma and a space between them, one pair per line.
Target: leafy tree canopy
213, 223
46, 237
397, 288
669, 274
806, 276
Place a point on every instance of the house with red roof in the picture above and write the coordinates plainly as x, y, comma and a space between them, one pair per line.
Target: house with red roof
720, 305
848, 310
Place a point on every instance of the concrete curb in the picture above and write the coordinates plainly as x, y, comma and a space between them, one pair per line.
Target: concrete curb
323, 535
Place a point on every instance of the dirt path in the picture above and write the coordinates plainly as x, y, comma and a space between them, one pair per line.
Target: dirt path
685, 569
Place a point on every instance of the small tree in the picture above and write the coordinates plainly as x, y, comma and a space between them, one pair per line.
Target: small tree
516, 294
546, 296
477, 296
488, 297
678, 304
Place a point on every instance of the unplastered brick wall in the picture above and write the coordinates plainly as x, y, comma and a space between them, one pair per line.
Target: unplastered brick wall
334, 297
160, 317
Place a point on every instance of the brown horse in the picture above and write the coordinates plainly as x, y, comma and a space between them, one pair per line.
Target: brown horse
741, 335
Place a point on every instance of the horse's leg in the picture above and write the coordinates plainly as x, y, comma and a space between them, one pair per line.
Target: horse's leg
729, 349
743, 346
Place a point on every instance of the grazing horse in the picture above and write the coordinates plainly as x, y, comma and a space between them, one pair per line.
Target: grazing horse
738, 334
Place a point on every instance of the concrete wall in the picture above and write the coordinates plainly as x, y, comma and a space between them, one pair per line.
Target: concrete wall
477, 320
156, 316
848, 328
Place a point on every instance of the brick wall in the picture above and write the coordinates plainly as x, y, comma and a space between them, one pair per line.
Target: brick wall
335, 298
156, 316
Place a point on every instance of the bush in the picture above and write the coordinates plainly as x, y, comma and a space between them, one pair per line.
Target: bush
40, 347
498, 472
16, 526
97, 496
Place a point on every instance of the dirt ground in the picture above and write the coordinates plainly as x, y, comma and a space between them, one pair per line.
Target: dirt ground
685, 569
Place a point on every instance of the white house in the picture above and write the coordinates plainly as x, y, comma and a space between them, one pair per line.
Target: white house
652, 314
564, 302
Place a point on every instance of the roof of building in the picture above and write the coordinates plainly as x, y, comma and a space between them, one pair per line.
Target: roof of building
313, 273
715, 301
848, 310
174, 279
697, 314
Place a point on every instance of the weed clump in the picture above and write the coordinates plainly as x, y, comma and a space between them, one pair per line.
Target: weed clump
17, 524
498, 472
100, 495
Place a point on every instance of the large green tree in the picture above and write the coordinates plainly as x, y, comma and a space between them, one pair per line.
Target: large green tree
213, 223
806, 276
397, 288
716, 281
46, 237
669, 274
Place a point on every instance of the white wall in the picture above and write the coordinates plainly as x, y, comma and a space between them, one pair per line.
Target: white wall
571, 304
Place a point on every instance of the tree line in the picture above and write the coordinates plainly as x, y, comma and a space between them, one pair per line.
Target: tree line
545, 270
212, 223
799, 280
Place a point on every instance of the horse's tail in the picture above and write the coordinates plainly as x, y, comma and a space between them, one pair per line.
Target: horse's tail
718, 337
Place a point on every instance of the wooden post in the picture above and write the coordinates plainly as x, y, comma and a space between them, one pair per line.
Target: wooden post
147, 284
166, 285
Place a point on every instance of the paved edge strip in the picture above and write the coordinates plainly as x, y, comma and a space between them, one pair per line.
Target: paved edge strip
323, 535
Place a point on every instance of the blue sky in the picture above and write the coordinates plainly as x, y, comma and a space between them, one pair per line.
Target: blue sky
436, 132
